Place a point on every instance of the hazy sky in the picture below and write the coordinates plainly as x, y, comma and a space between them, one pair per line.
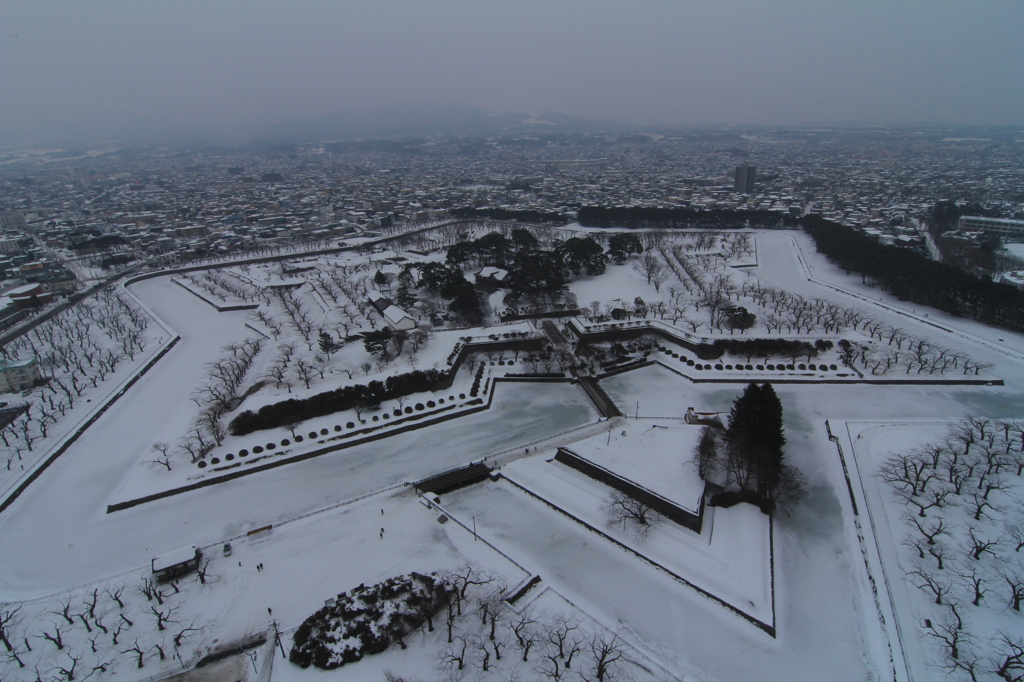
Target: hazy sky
236, 67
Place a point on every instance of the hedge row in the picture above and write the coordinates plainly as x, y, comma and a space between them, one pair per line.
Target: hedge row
760, 348
345, 398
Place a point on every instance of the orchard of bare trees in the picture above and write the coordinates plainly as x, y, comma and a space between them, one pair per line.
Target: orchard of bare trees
77, 351
482, 633
99, 630
963, 545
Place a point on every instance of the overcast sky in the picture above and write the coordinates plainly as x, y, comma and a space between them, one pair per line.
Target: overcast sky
236, 68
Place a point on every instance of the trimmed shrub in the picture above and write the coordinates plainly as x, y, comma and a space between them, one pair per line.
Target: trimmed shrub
329, 402
366, 620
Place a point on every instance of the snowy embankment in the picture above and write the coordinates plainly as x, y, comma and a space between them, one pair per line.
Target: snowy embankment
730, 559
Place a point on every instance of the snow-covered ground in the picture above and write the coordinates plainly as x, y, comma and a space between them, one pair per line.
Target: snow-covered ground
57, 536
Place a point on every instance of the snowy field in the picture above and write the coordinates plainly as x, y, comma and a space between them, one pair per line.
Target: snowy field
57, 538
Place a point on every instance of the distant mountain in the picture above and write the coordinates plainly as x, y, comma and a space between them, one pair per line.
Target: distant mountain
430, 120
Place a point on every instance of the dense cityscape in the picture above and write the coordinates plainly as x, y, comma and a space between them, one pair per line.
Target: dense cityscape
86, 213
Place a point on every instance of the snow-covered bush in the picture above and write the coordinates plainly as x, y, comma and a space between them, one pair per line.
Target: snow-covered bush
366, 620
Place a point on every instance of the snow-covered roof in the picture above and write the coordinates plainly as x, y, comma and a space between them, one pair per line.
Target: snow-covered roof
492, 272
396, 317
174, 557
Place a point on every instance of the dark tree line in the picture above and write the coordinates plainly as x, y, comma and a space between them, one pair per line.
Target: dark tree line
761, 348
329, 402
537, 217
914, 277
677, 218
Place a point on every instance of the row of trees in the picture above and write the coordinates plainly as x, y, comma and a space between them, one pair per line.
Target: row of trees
521, 216
963, 536
915, 277
215, 397
344, 398
635, 217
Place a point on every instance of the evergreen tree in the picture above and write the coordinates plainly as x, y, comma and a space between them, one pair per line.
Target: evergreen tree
756, 438
327, 344
620, 246
404, 298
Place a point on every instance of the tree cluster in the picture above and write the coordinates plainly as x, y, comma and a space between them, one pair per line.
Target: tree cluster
635, 217
753, 462
449, 282
367, 620
329, 402
914, 277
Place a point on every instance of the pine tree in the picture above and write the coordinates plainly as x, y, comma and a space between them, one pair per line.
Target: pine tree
756, 438
327, 344
404, 298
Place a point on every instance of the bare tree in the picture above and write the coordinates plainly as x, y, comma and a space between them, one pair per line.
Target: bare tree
164, 616
973, 579
562, 639
162, 458
950, 633
9, 620
304, 371
57, 637
115, 596
203, 573
150, 590
608, 652
628, 511
67, 670
137, 650
524, 627
454, 654
65, 610
979, 545
1013, 576
1009, 657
